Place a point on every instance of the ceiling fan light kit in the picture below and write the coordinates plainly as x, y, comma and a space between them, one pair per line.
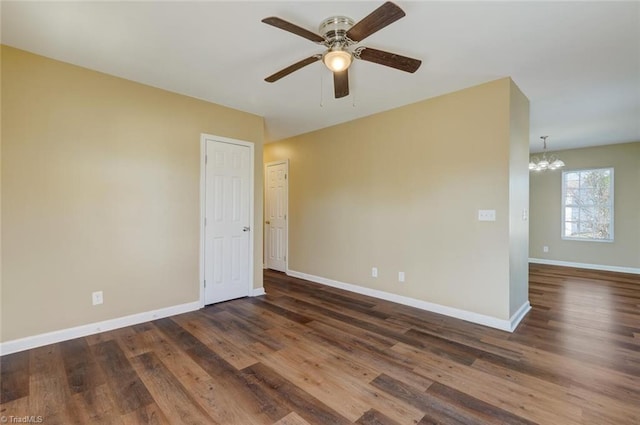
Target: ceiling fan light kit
544, 164
339, 35
337, 60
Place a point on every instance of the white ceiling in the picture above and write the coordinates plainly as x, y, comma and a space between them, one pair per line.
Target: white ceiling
577, 62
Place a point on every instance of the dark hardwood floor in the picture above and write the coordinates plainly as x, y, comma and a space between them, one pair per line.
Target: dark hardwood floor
308, 354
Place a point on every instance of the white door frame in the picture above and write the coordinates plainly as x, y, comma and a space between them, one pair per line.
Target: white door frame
203, 153
286, 242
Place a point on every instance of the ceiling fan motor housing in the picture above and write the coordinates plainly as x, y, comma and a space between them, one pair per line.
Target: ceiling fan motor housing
334, 30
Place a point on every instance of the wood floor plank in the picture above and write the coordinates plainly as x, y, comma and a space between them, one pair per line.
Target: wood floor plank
201, 328
616, 411
82, 372
588, 351
436, 418
110, 335
566, 371
210, 393
379, 358
517, 399
130, 393
96, 405
448, 334
50, 395
307, 373
343, 386
487, 412
337, 321
14, 376
336, 301
373, 417
240, 388
172, 397
292, 419
266, 319
298, 400
422, 400
148, 415
18, 407
139, 342
331, 376
310, 347
354, 318
287, 314
241, 331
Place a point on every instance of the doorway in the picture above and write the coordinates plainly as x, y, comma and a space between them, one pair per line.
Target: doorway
227, 212
276, 211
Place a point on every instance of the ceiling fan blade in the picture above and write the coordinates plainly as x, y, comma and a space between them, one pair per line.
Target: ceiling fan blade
341, 83
293, 28
386, 14
393, 60
291, 68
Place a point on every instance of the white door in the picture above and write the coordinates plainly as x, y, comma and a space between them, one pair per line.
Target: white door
276, 215
227, 221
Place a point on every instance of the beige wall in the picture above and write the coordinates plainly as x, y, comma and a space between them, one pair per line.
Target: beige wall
546, 193
100, 191
400, 191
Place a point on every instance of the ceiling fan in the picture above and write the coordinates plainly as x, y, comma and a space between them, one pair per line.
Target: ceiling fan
339, 35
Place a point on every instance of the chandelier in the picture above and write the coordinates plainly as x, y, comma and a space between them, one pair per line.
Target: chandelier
543, 164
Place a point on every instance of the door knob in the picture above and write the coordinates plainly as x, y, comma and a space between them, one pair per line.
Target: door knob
267, 222
246, 228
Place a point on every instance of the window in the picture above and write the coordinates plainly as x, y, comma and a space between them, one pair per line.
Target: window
587, 204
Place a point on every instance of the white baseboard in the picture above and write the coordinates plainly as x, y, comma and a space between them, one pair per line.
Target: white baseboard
469, 316
257, 292
589, 266
35, 341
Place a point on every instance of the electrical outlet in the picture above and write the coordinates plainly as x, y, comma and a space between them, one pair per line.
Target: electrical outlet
374, 272
486, 215
545, 249
97, 298
400, 276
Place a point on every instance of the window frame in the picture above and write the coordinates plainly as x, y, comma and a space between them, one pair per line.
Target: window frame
564, 206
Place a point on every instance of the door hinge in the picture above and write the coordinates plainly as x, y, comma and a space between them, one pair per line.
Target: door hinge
285, 216
206, 158
285, 258
285, 176
205, 283
205, 221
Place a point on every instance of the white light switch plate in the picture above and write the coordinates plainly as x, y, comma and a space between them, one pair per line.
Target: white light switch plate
486, 215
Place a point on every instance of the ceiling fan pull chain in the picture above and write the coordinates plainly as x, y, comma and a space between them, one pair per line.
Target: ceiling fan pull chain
321, 90
353, 97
